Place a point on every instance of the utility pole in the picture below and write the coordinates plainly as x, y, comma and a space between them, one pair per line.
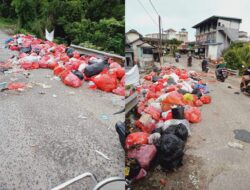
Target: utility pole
160, 41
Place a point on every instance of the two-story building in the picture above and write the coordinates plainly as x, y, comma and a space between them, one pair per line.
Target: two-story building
215, 34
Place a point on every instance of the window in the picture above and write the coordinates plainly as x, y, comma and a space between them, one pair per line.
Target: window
147, 51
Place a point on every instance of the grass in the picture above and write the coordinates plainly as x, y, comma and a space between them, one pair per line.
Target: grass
9, 25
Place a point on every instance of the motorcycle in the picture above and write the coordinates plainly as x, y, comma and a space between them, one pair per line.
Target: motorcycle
221, 74
246, 91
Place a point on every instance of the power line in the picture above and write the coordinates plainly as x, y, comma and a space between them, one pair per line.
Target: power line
148, 13
154, 7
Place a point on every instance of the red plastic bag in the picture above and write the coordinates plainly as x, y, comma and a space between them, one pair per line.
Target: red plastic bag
153, 112
52, 65
15, 86
114, 65
193, 115
72, 80
206, 99
105, 81
136, 138
120, 90
120, 72
14, 48
145, 128
29, 65
58, 70
144, 154
198, 103
76, 55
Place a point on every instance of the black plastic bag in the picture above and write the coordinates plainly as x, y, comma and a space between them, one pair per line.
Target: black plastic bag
94, 69
25, 49
120, 129
197, 92
178, 112
170, 151
78, 74
70, 52
179, 130
36, 50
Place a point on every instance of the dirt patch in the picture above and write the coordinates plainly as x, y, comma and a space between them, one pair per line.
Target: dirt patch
189, 176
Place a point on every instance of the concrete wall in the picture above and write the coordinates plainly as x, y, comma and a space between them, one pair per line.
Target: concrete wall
229, 24
225, 43
213, 52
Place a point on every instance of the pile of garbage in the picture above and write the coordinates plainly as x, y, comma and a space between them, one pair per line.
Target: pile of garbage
169, 103
66, 63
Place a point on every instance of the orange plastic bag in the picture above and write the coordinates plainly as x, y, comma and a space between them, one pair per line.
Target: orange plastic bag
198, 103
105, 81
174, 98
136, 138
29, 65
145, 128
52, 65
193, 115
120, 72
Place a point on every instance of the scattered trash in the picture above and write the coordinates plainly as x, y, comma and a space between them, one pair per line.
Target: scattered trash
238, 93
104, 117
3, 85
54, 95
235, 145
42, 93
194, 180
72, 93
242, 135
229, 87
67, 64
103, 155
81, 116
15, 86
163, 182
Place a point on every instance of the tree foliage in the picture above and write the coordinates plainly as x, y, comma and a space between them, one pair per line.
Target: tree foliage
238, 55
96, 22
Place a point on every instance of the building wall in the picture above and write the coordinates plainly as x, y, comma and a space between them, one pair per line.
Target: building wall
135, 49
132, 36
213, 52
225, 43
229, 24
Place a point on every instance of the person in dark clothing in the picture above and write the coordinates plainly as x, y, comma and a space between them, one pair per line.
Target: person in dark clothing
204, 64
190, 61
246, 77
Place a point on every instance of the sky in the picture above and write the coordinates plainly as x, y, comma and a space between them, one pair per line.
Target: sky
179, 14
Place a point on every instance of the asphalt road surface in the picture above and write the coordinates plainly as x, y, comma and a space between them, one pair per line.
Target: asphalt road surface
49, 135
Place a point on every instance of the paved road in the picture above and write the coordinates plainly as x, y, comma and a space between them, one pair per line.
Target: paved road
43, 142
224, 168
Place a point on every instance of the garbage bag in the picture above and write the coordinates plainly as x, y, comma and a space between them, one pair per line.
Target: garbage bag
29, 65
14, 48
206, 99
120, 129
174, 98
156, 78
72, 80
114, 65
58, 70
153, 112
70, 51
193, 115
147, 128
198, 103
179, 130
15, 86
170, 122
178, 112
78, 74
105, 81
144, 154
137, 138
170, 151
25, 49
94, 69
120, 72
132, 168
120, 90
